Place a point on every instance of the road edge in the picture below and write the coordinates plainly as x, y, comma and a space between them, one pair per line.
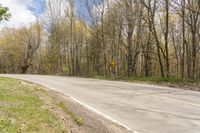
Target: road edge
81, 103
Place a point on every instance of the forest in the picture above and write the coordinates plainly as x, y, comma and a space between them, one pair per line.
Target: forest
121, 38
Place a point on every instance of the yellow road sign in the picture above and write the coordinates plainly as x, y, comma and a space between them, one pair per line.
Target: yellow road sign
113, 64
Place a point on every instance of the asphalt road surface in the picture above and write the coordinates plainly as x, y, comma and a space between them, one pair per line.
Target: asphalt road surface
142, 108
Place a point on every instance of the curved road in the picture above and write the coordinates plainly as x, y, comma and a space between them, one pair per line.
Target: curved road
142, 108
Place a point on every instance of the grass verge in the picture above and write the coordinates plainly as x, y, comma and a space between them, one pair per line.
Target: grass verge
23, 109
191, 84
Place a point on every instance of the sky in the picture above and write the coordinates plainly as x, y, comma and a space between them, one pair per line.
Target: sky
23, 12
26, 11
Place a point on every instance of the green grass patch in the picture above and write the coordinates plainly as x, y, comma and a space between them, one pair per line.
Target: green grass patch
22, 110
79, 121
173, 80
155, 80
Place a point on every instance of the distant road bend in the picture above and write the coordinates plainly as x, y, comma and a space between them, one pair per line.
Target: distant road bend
142, 108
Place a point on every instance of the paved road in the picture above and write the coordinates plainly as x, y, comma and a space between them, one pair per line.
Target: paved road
144, 108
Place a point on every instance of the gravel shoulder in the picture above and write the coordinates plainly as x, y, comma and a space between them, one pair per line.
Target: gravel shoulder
92, 123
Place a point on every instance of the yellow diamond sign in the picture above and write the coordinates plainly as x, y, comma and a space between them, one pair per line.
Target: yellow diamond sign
113, 64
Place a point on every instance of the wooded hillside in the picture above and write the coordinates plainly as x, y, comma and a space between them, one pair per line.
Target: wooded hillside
140, 38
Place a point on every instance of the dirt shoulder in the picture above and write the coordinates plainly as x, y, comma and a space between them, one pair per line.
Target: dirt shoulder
92, 123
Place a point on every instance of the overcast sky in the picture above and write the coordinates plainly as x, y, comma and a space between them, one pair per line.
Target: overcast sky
23, 11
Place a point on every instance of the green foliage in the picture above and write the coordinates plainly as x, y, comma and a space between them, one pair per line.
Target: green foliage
79, 121
18, 47
4, 13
